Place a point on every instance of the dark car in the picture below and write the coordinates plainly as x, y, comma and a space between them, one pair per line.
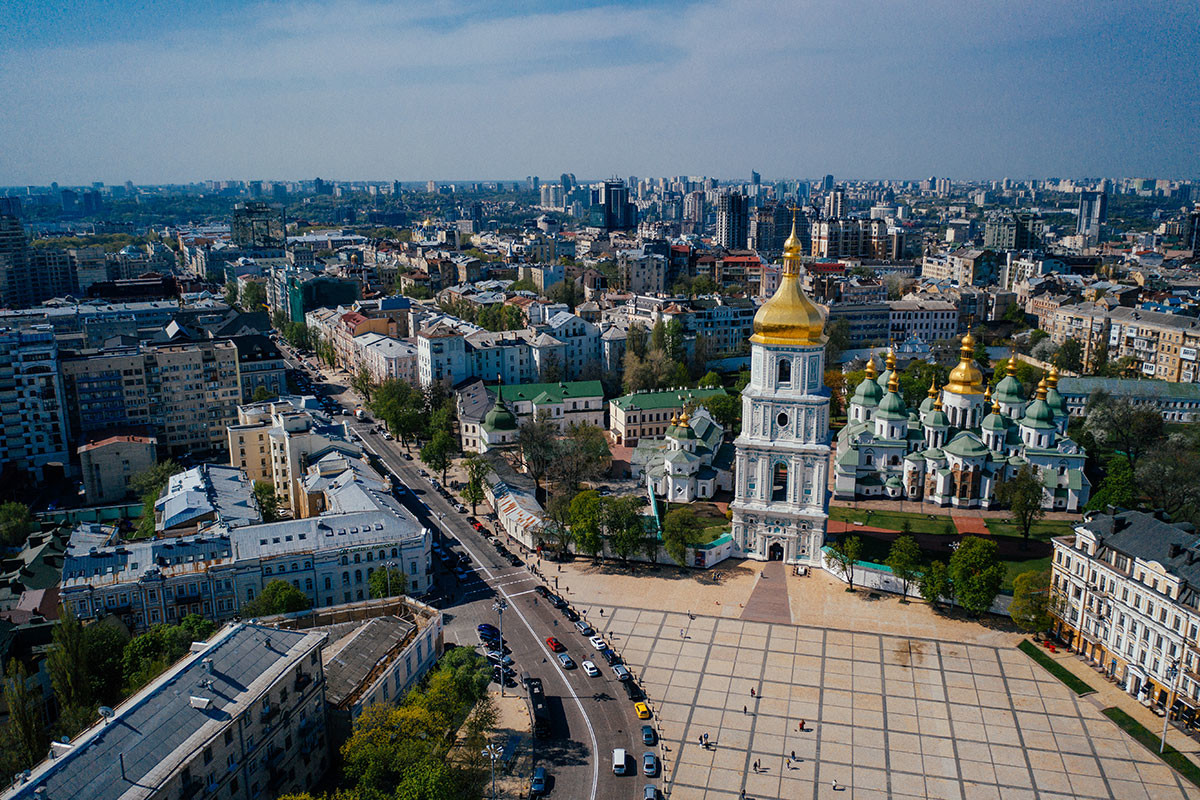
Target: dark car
542, 590
610, 656
516, 562
571, 614
485, 628
557, 601
634, 691
537, 784
649, 737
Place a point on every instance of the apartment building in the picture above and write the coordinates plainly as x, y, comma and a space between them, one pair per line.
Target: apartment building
33, 416
1086, 323
856, 238
642, 272
109, 464
205, 499
441, 355
352, 525
1126, 587
648, 414
385, 358
581, 343
276, 440
261, 366
869, 323
932, 320
962, 267
242, 716
1162, 346
1177, 402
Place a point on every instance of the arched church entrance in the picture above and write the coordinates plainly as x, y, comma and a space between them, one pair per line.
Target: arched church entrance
775, 552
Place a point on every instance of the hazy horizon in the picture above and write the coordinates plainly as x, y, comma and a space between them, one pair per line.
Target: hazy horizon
358, 90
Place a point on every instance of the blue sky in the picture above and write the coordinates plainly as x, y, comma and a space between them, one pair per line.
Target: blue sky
356, 89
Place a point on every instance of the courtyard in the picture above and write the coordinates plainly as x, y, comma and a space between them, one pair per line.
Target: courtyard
925, 708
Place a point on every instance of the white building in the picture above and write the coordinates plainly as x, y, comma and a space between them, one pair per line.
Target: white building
780, 500
386, 358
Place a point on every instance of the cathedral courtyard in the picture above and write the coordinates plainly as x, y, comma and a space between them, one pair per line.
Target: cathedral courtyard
897, 701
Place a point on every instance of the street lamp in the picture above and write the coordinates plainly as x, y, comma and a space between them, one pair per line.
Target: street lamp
1173, 677
387, 570
499, 607
492, 752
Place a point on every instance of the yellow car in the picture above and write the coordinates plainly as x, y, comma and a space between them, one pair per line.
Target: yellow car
642, 710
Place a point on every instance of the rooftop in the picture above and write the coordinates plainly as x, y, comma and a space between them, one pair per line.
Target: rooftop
666, 398
350, 661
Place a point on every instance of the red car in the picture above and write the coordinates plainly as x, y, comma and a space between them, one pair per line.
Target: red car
555, 645
477, 526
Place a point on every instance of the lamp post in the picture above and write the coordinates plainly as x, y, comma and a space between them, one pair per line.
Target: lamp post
499, 607
492, 752
1173, 677
387, 570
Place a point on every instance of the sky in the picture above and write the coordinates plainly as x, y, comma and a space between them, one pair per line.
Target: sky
156, 92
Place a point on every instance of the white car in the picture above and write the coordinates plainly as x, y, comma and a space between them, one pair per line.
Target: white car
597, 643
590, 669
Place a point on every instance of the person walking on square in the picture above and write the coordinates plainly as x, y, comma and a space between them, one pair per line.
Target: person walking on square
800, 727
793, 755
744, 710
752, 691
787, 763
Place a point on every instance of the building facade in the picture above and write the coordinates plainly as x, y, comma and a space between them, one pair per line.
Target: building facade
33, 415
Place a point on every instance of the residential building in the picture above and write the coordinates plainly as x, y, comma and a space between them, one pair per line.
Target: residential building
1177, 402
856, 238
1125, 584
1086, 323
648, 413
642, 272
581, 344
958, 456
261, 366
931, 320
33, 407
441, 356
275, 442
385, 358
1013, 230
962, 267
1093, 212
109, 464
241, 716
205, 499
1162, 346
870, 324
566, 403
733, 220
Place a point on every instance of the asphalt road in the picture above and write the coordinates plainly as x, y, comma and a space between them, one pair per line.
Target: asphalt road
590, 716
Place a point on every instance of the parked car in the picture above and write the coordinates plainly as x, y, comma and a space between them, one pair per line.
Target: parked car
590, 669
584, 628
649, 737
515, 561
566, 661
486, 628
610, 656
537, 784
542, 590
642, 710
622, 672
571, 614
598, 643
650, 793
649, 765
633, 691
557, 601
555, 645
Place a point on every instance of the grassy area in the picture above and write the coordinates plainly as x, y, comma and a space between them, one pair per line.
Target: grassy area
1054, 668
1015, 568
894, 520
713, 523
1043, 530
1181, 763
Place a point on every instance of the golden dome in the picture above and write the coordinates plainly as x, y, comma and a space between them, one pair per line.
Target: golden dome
674, 419
937, 404
789, 317
683, 420
933, 392
894, 383
1052, 378
1042, 388
428, 223
891, 359
966, 377
1010, 368
870, 372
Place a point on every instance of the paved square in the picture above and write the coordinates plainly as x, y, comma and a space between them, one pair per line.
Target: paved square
885, 716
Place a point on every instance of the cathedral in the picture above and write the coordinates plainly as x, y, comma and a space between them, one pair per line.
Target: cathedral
960, 443
781, 458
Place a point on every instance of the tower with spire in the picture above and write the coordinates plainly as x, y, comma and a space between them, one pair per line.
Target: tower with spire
781, 458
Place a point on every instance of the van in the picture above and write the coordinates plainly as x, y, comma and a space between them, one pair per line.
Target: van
618, 761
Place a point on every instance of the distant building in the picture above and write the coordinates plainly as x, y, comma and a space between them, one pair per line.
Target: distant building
1177, 402
1093, 212
258, 224
1013, 230
692, 462
33, 407
733, 220
241, 716
648, 414
565, 403
109, 464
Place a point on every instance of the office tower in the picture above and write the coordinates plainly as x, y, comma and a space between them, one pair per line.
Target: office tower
611, 207
1093, 211
827, 183
10, 206
693, 211
733, 221
835, 204
755, 178
1013, 230
257, 224
1191, 232
15, 289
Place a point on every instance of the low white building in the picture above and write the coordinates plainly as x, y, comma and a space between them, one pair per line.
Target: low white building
386, 358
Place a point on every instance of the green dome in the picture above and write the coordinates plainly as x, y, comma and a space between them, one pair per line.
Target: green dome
926, 405
868, 393
965, 445
1056, 402
1009, 391
937, 419
892, 407
995, 422
499, 418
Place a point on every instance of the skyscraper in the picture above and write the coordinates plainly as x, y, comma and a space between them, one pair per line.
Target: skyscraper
1191, 232
827, 183
755, 178
733, 221
1093, 211
257, 224
835, 204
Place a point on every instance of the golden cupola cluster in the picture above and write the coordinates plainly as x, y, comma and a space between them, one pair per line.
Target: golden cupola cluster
789, 317
966, 378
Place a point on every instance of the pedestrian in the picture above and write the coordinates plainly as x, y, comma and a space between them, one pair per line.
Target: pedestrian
701, 738
800, 727
744, 710
602, 612
752, 691
834, 784
757, 765
793, 755
787, 763
681, 633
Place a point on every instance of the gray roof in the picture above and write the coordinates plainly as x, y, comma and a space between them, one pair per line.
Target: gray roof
352, 660
1129, 387
159, 728
1141, 535
208, 489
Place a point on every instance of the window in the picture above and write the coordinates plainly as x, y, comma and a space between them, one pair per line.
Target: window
779, 481
784, 373
782, 419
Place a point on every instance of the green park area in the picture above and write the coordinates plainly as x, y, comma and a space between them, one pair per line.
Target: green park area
712, 521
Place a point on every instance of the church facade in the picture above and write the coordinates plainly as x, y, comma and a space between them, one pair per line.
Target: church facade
961, 443
781, 459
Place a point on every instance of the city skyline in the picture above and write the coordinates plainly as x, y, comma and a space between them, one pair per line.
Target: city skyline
359, 91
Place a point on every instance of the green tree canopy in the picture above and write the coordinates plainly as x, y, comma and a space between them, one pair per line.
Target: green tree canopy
623, 525
387, 581
585, 516
935, 583
1118, 488
711, 380
681, 530
277, 597
15, 522
268, 501
977, 573
845, 553
1030, 606
904, 560
1023, 494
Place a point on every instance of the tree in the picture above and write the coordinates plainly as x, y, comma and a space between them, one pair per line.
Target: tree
1023, 494
658, 337
24, 715
557, 525
635, 340
262, 394
837, 332
148, 485
845, 553
711, 380
147, 655
537, 440
253, 297
977, 573
585, 516
477, 470
726, 409
1016, 315
1170, 478
67, 663
935, 583
904, 559
436, 454
1118, 488
681, 530
1069, 357
1118, 423
104, 644
1030, 606
268, 501
363, 385
387, 581
673, 340
231, 293
278, 597
15, 520
1044, 350
581, 455
623, 525
980, 353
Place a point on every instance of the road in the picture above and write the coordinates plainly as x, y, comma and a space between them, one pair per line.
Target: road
591, 716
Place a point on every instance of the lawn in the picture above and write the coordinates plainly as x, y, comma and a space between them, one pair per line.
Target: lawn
894, 520
713, 522
1043, 530
1148, 739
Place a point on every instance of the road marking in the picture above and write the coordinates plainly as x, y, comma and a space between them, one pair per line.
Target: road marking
518, 594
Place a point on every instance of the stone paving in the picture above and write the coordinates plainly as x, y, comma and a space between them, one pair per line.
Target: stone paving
885, 716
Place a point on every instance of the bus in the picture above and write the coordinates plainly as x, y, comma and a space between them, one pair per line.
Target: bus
537, 707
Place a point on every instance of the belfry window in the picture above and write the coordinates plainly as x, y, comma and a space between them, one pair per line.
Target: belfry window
779, 480
784, 372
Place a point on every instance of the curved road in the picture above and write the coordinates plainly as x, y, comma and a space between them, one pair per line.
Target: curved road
591, 716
